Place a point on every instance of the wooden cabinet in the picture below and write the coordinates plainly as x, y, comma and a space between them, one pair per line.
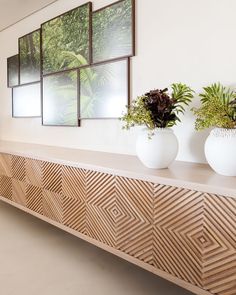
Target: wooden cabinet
184, 235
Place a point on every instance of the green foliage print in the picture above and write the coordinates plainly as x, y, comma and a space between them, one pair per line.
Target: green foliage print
30, 57
103, 90
60, 99
65, 36
112, 31
13, 68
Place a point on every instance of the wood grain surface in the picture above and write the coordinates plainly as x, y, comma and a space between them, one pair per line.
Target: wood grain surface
184, 235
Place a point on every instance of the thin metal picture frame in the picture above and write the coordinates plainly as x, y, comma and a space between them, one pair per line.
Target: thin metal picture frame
133, 30
77, 98
8, 71
90, 62
23, 85
127, 59
89, 3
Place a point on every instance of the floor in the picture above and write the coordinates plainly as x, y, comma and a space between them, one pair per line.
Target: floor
39, 259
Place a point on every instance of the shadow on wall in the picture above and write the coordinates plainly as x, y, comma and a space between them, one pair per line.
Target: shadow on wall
198, 138
197, 144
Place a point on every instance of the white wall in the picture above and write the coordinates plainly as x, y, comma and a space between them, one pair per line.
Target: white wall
192, 41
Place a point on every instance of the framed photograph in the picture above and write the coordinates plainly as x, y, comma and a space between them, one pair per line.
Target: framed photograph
104, 90
66, 40
60, 99
114, 31
13, 71
29, 57
26, 101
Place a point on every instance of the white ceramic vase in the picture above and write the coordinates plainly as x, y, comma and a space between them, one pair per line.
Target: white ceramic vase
220, 151
159, 151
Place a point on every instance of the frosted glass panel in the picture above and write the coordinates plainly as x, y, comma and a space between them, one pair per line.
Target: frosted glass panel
60, 106
104, 90
26, 101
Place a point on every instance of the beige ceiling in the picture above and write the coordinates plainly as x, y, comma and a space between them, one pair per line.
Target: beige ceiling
12, 11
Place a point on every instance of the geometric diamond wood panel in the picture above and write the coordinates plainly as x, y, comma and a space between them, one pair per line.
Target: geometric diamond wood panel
19, 192
219, 254
134, 222
52, 177
100, 207
178, 221
34, 172
52, 205
188, 234
74, 213
6, 187
5, 165
74, 195
34, 198
74, 182
18, 168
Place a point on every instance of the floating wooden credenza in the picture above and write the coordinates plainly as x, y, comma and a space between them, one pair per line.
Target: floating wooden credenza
179, 223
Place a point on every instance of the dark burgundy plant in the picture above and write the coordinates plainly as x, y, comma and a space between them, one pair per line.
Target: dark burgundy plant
158, 108
161, 107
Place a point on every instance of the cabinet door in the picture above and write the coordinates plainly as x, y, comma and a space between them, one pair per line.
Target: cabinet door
219, 254
178, 230
100, 207
74, 196
135, 203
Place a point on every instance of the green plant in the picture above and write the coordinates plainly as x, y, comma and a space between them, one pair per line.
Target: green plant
218, 108
158, 108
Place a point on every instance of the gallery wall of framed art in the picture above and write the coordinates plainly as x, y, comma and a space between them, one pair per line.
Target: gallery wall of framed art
76, 66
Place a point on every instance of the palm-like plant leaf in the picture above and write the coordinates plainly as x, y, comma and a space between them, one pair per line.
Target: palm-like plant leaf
218, 108
217, 90
157, 109
183, 95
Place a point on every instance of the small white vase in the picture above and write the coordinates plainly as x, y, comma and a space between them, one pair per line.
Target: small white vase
159, 151
220, 151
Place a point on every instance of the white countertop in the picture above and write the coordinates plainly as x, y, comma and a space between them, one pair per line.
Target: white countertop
182, 174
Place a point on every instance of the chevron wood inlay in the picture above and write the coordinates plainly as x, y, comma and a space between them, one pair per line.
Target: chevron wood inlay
34, 172
52, 177
189, 235
178, 219
18, 168
34, 198
219, 255
19, 192
100, 207
5, 165
74, 182
52, 206
6, 187
135, 205
74, 213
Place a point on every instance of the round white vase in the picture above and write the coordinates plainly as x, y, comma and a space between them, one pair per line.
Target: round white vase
159, 151
220, 151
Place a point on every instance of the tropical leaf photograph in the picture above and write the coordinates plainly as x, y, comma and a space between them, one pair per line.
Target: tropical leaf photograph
104, 90
66, 37
60, 103
13, 70
29, 53
113, 31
